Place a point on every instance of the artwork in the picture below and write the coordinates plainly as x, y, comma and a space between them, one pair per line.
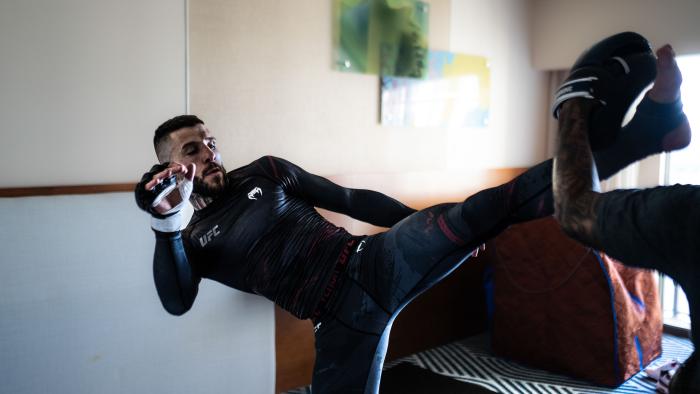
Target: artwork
454, 93
384, 37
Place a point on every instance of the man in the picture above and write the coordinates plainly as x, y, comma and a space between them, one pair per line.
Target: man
654, 228
255, 229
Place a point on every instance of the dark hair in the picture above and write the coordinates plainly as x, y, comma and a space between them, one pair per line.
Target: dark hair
174, 124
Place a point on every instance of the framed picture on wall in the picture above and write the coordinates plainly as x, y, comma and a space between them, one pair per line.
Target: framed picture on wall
454, 93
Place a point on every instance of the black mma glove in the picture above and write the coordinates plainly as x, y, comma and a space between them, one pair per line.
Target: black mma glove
613, 72
147, 200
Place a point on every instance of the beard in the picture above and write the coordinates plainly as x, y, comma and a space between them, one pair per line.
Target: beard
212, 188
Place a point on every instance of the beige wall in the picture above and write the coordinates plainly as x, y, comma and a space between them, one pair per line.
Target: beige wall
86, 82
79, 313
563, 28
516, 136
262, 78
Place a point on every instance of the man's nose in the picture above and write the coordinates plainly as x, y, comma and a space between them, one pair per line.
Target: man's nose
209, 154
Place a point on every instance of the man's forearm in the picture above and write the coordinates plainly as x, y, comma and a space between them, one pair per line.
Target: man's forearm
176, 284
575, 180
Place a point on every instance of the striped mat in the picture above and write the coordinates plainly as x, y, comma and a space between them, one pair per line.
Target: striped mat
472, 361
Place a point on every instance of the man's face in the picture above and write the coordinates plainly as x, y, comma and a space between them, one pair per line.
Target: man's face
197, 145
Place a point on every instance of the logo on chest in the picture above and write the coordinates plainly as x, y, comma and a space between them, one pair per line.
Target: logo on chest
255, 193
209, 235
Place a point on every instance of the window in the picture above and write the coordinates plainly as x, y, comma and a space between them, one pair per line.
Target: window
683, 167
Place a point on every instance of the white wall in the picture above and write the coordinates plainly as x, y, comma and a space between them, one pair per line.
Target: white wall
83, 85
80, 314
563, 29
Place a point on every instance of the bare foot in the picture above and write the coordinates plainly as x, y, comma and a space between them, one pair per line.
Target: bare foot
667, 89
667, 85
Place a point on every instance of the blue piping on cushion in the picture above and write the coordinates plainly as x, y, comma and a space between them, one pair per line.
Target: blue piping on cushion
616, 356
637, 301
640, 352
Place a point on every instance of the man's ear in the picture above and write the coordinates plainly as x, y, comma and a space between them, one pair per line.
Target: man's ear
163, 150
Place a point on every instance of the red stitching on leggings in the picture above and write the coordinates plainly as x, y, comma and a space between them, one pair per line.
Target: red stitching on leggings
448, 233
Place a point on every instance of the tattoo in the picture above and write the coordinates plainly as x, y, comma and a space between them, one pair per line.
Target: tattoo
575, 179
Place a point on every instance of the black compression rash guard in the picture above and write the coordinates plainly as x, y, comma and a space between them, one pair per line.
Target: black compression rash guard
263, 236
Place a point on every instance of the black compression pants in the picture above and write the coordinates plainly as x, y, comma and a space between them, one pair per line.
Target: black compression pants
386, 271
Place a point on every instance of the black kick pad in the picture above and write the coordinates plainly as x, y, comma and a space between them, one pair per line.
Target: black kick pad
406, 378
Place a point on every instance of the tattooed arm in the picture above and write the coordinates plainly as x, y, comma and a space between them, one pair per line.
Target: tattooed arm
575, 179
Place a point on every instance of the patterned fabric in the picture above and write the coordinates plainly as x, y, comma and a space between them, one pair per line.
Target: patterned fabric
599, 320
639, 321
473, 361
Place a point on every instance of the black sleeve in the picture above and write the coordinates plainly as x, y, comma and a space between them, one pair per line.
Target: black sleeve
656, 228
176, 283
365, 205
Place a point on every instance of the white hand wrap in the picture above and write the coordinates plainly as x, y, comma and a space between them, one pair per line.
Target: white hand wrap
173, 222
